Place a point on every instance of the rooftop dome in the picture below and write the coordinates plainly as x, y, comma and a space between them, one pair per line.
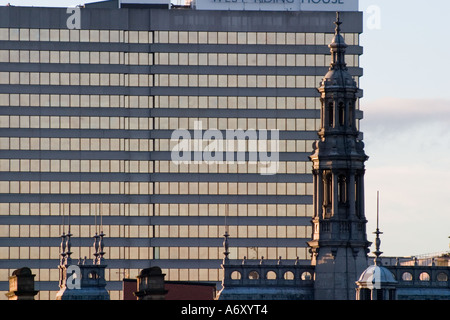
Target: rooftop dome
25, 271
376, 277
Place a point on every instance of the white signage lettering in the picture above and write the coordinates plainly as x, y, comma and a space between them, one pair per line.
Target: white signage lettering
278, 5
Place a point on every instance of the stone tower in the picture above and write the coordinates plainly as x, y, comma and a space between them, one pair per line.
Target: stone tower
339, 243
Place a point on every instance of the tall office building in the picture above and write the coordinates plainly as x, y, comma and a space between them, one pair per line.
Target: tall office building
95, 101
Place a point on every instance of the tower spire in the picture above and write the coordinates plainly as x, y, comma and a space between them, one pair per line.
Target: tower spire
377, 251
338, 47
338, 22
101, 242
226, 251
339, 240
69, 244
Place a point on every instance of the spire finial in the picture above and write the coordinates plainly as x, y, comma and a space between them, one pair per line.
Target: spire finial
226, 251
63, 248
68, 244
338, 22
338, 47
96, 240
101, 242
377, 251
63, 242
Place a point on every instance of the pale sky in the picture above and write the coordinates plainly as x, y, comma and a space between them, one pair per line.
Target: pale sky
407, 115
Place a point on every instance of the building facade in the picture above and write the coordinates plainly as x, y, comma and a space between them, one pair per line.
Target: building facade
93, 102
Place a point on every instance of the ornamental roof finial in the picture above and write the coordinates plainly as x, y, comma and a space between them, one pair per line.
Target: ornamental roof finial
338, 47
377, 251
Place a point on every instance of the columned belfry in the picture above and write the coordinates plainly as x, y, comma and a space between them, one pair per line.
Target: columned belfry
339, 243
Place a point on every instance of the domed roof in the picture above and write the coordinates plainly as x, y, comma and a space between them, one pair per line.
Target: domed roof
150, 271
376, 277
339, 79
25, 271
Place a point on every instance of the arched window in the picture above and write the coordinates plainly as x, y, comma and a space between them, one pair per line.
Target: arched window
342, 189
253, 275
441, 277
306, 276
271, 275
235, 275
424, 276
331, 115
341, 114
328, 193
288, 275
407, 276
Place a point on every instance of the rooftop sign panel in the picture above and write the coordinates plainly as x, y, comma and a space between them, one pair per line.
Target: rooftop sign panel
278, 5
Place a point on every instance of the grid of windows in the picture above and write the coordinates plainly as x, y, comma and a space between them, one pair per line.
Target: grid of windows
246, 59
76, 57
75, 35
86, 118
251, 38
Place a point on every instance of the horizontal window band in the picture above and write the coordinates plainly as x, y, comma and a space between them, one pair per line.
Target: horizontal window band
155, 242
170, 69
164, 91
75, 90
138, 155
120, 69
248, 48
165, 112
174, 47
318, 71
184, 199
160, 220
77, 46
154, 177
159, 112
135, 134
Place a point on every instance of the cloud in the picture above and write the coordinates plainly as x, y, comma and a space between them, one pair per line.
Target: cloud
399, 114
